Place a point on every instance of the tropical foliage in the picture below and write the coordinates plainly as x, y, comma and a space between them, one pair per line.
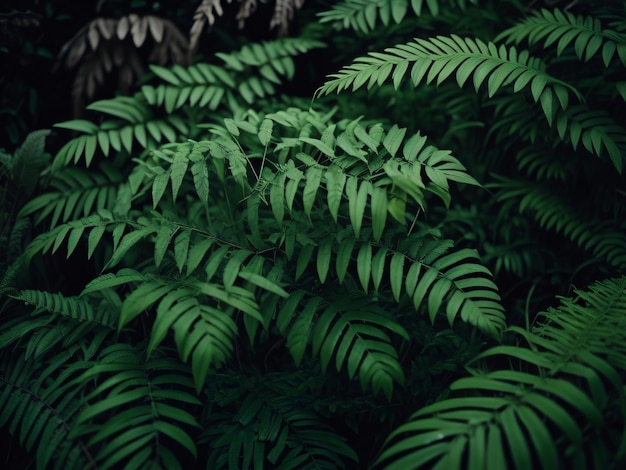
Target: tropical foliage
216, 272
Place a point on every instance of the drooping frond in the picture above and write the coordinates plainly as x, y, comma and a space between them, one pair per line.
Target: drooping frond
364, 15
510, 418
139, 413
135, 123
200, 314
94, 225
205, 13
57, 322
554, 213
271, 426
436, 59
354, 333
598, 133
38, 401
262, 64
76, 193
562, 28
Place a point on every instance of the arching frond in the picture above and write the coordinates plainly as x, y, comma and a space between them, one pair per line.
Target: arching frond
262, 64
95, 225
135, 123
271, 427
81, 309
354, 333
436, 59
509, 417
144, 410
562, 28
39, 400
364, 15
200, 314
552, 212
76, 193
596, 130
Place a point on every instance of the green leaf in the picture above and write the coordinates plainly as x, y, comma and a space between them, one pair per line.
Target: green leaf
393, 139
140, 299
379, 211
263, 283
335, 181
323, 258
364, 265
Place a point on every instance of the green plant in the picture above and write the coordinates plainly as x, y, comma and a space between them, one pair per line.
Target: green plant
19, 174
565, 379
270, 282
542, 412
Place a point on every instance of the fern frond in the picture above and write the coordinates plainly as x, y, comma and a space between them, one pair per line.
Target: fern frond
436, 59
39, 401
96, 225
135, 124
72, 319
354, 333
203, 13
142, 410
108, 45
76, 193
542, 162
597, 132
427, 273
562, 28
554, 213
358, 164
272, 427
513, 418
250, 73
199, 313
28, 162
363, 15
77, 308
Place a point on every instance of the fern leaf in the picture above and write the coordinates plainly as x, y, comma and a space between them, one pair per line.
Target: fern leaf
436, 59
530, 419
271, 428
28, 161
597, 132
40, 408
364, 15
76, 194
136, 123
562, 28
129, 430
71, 307
552, 212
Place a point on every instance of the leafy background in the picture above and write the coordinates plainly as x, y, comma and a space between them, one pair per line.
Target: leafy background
289, 234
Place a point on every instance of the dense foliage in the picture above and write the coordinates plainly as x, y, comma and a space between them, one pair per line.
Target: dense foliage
419, 265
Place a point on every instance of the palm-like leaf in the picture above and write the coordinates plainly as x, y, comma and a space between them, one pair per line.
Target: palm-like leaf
142, 418
271, 427
561, 28
509, 416
363, 15
436, 59
39, 401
